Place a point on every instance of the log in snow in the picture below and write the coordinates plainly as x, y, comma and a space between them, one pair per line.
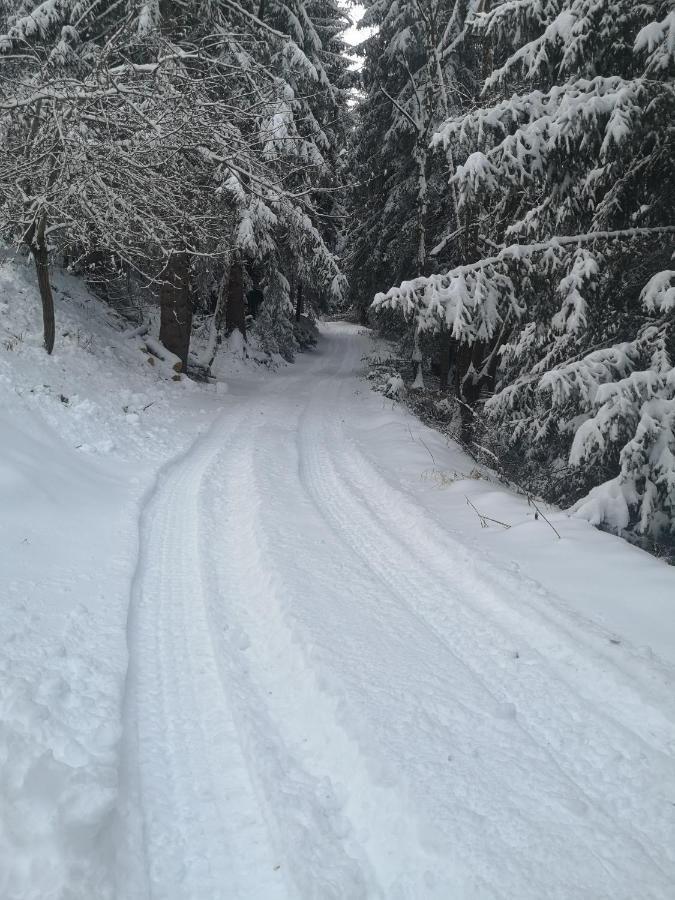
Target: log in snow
159, 351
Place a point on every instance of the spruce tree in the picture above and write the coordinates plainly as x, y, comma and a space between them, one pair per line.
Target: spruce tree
567, 166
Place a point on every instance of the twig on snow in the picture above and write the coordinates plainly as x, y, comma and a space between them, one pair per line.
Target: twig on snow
485, 519
538, 512
412, 438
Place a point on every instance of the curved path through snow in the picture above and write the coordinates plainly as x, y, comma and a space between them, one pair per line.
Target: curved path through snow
324, 702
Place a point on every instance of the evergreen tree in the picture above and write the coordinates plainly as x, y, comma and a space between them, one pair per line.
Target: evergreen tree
568, 309
157, 136
406, 221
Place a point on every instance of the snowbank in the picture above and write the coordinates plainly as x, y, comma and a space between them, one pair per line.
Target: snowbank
84, 433
600, 580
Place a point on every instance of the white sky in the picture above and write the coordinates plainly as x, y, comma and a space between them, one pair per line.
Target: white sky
352, 36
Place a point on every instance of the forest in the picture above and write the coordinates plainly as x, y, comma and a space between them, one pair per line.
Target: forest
490, 186
337, 450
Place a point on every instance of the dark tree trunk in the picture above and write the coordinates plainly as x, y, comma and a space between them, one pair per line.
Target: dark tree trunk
38, 247
235, 310
444, 368
300, 303
176, 307
221, 306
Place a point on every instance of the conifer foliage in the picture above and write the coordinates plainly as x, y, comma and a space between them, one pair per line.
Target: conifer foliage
413, 78
566, 292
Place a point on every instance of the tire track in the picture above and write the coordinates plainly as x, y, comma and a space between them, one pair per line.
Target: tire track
184, 766
258, 662
334, 493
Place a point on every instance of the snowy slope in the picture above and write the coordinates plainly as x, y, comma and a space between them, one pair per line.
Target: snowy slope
258, 646
83, 434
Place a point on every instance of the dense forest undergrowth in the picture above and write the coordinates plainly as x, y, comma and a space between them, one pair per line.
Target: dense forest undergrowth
491, 188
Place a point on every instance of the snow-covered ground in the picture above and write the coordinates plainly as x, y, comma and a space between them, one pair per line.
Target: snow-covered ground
256, 644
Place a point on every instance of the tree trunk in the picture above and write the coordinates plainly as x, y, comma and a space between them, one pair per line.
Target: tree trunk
235, 310
221, 306
432, 52
176, 307
444, 368
421, 158
484, 8
418, 383
38, 247
300, 303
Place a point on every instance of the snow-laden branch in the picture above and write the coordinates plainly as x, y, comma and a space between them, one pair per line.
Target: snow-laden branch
437, 294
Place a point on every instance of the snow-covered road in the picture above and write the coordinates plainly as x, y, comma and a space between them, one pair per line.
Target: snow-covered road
331, 697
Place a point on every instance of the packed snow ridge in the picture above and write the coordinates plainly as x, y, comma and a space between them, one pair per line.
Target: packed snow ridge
256, 644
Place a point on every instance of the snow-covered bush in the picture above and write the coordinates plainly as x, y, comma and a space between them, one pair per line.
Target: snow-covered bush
394, 387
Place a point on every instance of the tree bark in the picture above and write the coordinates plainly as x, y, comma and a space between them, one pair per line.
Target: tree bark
484, 7
431, 49
418, 383
444, 368
38, 247
421, 158
235, 310
176, 307
221, 305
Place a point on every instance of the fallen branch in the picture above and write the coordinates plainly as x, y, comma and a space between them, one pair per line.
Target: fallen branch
530, 501
160, 352
141, 331
485, 519
413, 439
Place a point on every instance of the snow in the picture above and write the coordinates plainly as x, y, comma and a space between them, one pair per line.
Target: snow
356, 34
256, 644
658, 38
659, 292
83, 433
